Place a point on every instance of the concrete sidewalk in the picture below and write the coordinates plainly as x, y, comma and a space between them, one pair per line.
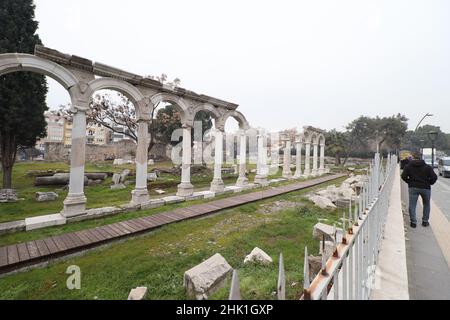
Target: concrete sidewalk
392, 273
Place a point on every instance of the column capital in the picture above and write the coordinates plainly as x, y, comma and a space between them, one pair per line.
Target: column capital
186, 126
242, 132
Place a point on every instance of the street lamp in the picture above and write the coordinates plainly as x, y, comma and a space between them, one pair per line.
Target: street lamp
432, 135
427, 115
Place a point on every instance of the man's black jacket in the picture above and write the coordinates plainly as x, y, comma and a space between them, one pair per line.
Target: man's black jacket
417, 174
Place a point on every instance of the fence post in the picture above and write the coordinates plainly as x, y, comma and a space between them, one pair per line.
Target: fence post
281, 289
235, 293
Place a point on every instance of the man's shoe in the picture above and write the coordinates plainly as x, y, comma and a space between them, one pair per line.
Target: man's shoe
413, 225
425, 224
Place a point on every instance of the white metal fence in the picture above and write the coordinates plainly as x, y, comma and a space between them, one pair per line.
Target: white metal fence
350, 273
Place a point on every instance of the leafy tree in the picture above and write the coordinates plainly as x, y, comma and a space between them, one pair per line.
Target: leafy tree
22, 95
119, 115
374, 133
337, 144
414, 141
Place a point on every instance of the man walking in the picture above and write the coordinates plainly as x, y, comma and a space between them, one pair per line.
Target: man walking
420, 177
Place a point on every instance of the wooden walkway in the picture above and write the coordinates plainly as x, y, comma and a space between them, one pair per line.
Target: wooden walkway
21, 255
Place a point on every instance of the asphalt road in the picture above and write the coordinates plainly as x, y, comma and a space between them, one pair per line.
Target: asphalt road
441, 195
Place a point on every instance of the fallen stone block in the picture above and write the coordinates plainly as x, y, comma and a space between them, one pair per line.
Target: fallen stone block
139, 293
206, 278
96, 175
44, 221
329, 249
152, 176
46, 196
173, 199
8, 195
159, 191
258, 256
322, 229
11, 227
322, 202
119, 186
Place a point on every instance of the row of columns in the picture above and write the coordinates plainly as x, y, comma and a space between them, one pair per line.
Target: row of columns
318, 167
75, 203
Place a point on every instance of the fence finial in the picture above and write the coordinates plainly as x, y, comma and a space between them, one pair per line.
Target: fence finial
306, 282
281, 289
235, 292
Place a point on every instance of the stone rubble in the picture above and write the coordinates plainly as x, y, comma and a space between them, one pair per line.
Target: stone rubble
206, 278
139, 293
46, 196
8, 195
258, 256
339, 197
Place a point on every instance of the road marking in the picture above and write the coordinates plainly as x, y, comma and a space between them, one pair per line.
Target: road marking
443, 185
441, 229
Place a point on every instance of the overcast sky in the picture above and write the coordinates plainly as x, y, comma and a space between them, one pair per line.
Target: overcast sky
286, 63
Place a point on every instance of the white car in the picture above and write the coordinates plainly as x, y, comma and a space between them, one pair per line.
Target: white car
444, 167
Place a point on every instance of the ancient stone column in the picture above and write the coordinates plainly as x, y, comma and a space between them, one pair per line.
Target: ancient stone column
140, 193
322, 159
261, 170
298, 169
217, 184
315, 172
242, 180
287, 159
75, 202
307, 172
185, 188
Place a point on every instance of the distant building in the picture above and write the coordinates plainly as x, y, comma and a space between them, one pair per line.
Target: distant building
55, 129
59, 130
119, 134
97, 134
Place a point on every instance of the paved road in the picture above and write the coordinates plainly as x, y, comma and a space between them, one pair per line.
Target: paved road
428, 268
441, 195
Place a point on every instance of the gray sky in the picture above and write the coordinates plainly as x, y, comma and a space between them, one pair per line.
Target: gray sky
286, 63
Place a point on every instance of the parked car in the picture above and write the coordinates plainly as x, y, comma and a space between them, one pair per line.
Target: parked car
444, 167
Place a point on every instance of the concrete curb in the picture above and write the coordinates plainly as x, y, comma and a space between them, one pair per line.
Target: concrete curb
392, 275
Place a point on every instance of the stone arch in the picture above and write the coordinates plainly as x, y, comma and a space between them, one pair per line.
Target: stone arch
178, 102
321, 139
204, 107
130, 91
14, 62
238, 116
315, 138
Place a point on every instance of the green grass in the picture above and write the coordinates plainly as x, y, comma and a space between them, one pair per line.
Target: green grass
97, 196
159, 259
